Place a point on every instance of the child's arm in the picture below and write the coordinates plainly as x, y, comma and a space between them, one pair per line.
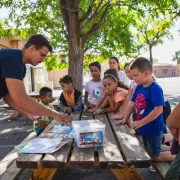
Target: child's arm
42, 123
62, 106
150, 117
129, 110
100, 100
86, 98
114, 106
104, 104
78, 105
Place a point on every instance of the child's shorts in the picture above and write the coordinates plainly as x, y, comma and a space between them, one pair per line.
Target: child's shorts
153, 144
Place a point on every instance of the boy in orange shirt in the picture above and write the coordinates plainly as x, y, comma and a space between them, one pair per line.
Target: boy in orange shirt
70, 98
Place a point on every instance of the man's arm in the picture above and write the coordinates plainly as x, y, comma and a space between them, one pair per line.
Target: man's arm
173, 121
7, 99
25, 103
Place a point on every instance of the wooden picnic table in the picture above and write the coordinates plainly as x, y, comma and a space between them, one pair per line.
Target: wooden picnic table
16, 113
121, 153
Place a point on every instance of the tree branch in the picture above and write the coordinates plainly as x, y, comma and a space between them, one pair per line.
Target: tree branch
85, 16
64, 12
95, 14
96, 26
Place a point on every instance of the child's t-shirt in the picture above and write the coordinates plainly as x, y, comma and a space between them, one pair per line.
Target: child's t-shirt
146, 99
70, 99
120, 94
94, 90
37, 128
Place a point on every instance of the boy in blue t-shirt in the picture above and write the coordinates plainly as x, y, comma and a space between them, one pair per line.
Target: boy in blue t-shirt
148, 100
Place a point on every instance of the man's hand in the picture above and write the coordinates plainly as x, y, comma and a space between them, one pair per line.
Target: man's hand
64, 119
136, 124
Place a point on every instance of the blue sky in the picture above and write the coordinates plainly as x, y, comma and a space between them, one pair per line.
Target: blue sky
162, 52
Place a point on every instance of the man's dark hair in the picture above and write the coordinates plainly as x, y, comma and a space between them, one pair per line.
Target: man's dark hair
142, 64
96, 64
44, 90
66, 79
38, 41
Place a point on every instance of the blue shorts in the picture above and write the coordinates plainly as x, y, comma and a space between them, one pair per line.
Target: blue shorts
153, 144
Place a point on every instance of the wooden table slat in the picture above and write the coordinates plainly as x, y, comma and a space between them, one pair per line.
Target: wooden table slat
82, 158
109, 154
58, 159
132, 150
29, 160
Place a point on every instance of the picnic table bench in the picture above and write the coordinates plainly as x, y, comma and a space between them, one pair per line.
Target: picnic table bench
121, 153
160, 166
15, 114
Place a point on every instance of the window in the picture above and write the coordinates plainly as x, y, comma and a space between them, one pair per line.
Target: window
40, 75
164, 71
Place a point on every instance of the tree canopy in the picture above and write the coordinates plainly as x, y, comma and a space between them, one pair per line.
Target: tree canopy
79, 27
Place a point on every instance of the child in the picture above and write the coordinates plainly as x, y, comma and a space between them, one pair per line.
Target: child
148, 99
129, 95
114, 63
102, 102
115, 93
45, 94
93, 87
70, 98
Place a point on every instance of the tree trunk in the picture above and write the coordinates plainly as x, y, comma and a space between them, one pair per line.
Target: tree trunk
178, 61
76, 56
76, 46
150, 53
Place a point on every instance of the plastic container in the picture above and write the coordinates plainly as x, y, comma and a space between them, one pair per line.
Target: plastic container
88, 133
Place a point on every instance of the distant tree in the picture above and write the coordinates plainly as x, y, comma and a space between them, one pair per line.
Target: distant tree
176, 57
152, 30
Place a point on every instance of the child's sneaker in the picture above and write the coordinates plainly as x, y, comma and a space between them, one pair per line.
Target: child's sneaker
152, 169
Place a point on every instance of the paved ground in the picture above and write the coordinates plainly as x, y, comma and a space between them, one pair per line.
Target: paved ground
12, 132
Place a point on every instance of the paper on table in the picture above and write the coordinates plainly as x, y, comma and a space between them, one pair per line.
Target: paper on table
57, 130
42, 145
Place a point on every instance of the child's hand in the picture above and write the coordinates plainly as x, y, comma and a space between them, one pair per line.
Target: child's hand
66, 109
136, 124
42, 123
107, 92
69, 110
89, 106
123, 121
